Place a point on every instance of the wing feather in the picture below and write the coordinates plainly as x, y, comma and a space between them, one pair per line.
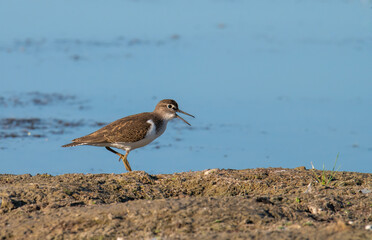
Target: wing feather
129, 129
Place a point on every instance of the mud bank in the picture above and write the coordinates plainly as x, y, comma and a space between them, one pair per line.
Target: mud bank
271, 203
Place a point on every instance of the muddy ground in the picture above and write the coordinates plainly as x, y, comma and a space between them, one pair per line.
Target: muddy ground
272, 203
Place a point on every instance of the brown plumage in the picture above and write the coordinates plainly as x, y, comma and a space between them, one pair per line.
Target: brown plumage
134, 131
128, 129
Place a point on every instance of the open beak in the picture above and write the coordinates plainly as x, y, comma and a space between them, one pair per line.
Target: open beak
180, 111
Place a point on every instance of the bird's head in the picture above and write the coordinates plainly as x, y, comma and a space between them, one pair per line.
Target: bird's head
168, 109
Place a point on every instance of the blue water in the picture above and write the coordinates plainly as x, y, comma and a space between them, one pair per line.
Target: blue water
271, 83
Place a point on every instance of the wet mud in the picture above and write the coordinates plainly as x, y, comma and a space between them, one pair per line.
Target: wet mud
271, 203
39, 128
36, 99
74, 49
36, 127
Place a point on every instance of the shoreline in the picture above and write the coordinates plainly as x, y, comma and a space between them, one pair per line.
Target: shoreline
215, 203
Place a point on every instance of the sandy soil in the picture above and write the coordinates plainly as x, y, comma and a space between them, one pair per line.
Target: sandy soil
272, 203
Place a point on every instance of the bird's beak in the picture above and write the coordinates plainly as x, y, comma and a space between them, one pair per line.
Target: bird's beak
180, 111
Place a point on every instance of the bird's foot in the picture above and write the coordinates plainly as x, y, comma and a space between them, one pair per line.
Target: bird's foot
125, 161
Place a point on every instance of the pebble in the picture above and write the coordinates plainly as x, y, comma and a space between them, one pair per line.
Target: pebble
207, 172
315, 210
365, 191
308, 189
368, 227
302, 168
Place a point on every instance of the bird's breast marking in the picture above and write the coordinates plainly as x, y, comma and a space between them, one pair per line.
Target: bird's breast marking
151, 132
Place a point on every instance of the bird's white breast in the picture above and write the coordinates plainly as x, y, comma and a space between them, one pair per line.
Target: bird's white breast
151, 135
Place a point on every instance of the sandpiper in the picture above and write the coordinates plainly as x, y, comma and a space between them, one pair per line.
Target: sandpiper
134, 131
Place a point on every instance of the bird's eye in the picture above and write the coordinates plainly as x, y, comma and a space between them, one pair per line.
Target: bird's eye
169, 106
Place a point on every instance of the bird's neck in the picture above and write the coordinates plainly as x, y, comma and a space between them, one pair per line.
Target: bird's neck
165, 116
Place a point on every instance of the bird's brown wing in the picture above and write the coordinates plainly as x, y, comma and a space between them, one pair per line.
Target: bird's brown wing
129, 129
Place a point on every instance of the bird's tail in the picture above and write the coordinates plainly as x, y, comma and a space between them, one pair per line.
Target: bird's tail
73, 144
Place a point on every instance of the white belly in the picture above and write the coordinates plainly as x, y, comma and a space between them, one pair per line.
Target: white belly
151, 135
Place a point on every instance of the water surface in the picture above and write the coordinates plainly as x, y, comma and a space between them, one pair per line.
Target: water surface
271, 83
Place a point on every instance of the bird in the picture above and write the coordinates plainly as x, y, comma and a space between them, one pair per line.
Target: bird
133, 131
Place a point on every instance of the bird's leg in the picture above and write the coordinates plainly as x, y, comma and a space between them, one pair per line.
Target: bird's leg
125, 161
122, 157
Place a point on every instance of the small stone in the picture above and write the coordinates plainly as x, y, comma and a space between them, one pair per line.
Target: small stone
302, 168
209, 171
308, 189
7, 203
368, 227
315, 210
365, 191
